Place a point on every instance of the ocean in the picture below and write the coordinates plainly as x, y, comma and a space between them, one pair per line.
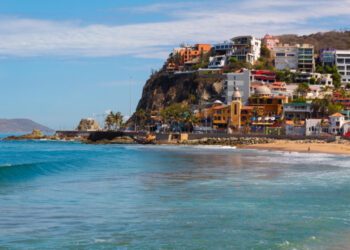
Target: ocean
67, 195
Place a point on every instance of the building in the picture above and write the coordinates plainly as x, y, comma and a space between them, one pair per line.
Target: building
221, 116
272, 106
306, 60
240, 80
270, 41
285, 57
294, 128
346, 129
246, 49
294, 57
336, 121
327, 57
339, 99
265, 76
217, 62
187, 53
243, 48
342, 60
316, 127
297, 111
236, 107
319, 79
223, 48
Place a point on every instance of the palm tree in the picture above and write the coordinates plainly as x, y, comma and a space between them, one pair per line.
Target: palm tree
118, 120
109, 121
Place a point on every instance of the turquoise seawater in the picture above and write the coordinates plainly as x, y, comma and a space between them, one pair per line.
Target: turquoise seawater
60, 195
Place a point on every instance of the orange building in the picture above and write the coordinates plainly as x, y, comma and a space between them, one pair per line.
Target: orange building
187, 54
272, 105
221, 115
263, 109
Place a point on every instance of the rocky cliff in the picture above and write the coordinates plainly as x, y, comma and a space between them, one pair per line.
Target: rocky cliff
164, 89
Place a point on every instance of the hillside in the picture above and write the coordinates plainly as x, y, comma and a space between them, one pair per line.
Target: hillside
331, 39
21, 125
163, 89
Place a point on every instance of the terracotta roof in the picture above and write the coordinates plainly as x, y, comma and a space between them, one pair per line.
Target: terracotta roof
337, 115
220, 107
300, 123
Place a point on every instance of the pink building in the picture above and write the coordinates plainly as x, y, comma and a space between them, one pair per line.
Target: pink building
270, 41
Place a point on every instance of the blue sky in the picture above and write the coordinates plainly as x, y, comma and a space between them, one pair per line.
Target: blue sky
64, 60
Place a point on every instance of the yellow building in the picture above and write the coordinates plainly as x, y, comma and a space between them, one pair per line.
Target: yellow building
272, 105
262, 108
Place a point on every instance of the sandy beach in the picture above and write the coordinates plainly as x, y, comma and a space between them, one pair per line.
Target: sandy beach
342, 147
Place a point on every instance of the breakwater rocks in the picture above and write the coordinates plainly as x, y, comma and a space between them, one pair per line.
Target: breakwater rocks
116, 140
229, 141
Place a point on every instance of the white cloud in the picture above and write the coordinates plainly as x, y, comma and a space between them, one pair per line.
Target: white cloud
198, 23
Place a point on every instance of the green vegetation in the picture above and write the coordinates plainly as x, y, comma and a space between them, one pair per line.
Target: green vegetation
178, 116
265, 60
334, 108
285, 76
299, 99
142, 118
235, 65
330, 70
113, 120
302, 90
325, 107
203, 61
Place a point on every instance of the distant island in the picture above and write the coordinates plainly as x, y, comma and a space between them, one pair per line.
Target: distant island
21, 125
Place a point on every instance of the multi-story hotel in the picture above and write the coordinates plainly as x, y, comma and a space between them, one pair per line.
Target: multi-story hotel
294, 57
342, 60
243, 48
327, 57
246, 48
286, 57
306, 60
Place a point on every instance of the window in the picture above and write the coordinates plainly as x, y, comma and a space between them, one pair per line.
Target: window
280, 54
339, 60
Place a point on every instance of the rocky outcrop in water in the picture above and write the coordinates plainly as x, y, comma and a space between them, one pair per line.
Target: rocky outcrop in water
88, 125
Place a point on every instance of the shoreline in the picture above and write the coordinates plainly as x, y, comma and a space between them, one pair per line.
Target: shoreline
340, 148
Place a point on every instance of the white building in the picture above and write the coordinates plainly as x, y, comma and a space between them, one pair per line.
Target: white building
346, 128
313, 127
297, 110
294, 57
246, 48
217, 62
286, 57
242, 81
342, 60
337, 121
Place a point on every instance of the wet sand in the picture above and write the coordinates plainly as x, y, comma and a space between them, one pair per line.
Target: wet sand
305, 147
